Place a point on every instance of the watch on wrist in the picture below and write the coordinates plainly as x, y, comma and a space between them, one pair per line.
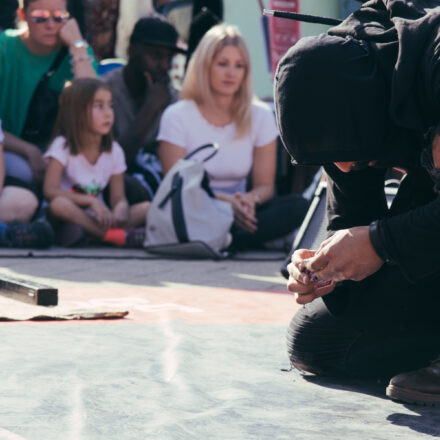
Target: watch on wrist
79, 44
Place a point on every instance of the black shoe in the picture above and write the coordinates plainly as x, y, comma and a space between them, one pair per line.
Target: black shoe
38, 234
421, 387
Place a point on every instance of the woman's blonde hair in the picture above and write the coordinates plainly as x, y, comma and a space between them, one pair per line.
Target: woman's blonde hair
74, 114
196, 85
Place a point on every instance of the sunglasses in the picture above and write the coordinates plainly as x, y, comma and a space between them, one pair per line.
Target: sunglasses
42, 15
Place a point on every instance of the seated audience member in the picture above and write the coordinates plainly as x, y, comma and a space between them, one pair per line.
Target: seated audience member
24, 58
129, 14
217, 105
141, 91
17, 206
8, 14
98, 18
83, 160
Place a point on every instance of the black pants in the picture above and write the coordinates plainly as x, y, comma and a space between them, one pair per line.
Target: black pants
276, 218
378, 327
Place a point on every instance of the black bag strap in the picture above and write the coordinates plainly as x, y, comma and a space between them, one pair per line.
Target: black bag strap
56, 63
214, 145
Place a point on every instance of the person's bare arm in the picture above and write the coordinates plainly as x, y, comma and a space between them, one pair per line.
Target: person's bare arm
169, 154
29, 151
81, 60
263, 178
263, 173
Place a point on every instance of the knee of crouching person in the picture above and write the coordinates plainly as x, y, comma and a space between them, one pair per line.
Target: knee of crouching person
307, 343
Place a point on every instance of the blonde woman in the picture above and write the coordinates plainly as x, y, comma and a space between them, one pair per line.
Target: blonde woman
217, 105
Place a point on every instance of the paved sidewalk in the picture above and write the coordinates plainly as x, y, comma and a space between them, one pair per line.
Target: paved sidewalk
200, 355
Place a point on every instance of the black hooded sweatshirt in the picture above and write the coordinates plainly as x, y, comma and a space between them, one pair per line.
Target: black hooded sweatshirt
404, 37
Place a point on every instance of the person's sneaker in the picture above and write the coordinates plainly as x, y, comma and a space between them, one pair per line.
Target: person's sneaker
69, 234
420, 387
135, 237
38, 234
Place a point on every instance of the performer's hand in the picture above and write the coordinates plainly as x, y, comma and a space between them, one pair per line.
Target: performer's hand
347, 255
300, 280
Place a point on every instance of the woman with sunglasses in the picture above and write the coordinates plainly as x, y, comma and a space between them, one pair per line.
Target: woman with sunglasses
25, 56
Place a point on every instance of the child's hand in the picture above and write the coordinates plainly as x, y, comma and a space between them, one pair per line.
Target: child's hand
121, 214
103, 214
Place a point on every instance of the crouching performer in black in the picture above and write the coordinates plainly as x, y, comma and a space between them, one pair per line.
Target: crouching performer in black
359, 99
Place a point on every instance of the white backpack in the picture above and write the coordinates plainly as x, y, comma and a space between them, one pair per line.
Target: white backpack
185, 218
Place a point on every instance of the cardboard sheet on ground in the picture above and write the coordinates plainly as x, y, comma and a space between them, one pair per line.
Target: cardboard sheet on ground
12, 310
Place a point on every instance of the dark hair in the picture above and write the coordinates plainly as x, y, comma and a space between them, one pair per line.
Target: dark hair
26, 3
74, 113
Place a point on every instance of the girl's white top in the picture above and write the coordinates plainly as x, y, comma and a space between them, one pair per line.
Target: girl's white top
79, 174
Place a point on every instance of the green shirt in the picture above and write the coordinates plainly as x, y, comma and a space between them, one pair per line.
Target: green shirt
20, 72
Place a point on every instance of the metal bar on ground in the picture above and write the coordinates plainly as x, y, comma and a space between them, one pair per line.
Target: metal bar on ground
28, 291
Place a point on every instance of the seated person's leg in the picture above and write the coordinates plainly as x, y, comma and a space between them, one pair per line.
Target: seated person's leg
17, 204
371, 328
18, 167
138, 214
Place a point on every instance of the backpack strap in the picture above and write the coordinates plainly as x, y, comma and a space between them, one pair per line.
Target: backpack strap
56, 63
214, 145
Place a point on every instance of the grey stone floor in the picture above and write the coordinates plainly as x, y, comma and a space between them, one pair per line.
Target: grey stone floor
173, 379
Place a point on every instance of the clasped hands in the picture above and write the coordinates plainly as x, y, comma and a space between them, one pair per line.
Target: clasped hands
347, 255
118, 217
244, 207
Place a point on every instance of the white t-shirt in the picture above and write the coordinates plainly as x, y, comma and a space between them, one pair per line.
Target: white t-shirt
82, 176
2, 136
183, 125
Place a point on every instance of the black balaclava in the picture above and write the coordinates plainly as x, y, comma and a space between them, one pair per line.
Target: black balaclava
331, 102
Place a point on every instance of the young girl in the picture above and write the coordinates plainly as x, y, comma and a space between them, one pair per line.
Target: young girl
83, 160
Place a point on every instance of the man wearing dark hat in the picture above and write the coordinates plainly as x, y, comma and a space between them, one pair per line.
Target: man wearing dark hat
360, 99
141, 92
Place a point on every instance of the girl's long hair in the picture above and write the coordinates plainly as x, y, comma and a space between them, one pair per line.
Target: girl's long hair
75, 114
196, 85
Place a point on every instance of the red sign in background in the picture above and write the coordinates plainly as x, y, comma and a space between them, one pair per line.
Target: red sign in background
283, 33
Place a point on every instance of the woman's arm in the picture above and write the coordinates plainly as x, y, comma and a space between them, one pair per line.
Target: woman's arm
29, 151
118, 201
71, 36
169, 154
263, 184
263, 173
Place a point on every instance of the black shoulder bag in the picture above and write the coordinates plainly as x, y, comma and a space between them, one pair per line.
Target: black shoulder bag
43, 108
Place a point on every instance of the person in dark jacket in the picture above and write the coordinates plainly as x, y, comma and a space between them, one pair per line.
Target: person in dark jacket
370, 100
8, 14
